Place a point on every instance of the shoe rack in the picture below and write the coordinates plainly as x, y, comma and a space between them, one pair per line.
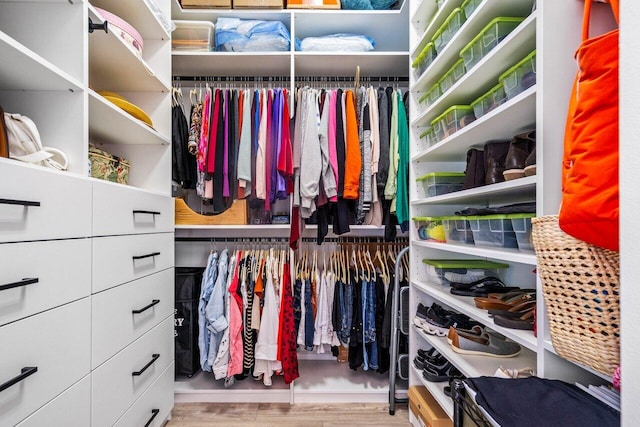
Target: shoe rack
553, 29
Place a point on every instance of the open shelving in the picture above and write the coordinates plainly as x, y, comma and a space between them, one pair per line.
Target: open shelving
437, 391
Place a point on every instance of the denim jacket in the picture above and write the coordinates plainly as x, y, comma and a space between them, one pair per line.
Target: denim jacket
208, 279
215, 309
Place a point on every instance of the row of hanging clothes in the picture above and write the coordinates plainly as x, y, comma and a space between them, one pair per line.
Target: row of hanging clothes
342, 153
256, 310
342, 301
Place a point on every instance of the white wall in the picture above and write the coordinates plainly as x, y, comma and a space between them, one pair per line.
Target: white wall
630, 210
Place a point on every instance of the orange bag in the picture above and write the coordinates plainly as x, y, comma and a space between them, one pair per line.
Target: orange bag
590, 206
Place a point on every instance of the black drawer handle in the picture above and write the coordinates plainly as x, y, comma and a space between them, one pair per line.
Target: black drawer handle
146, 212
23, 282
24, 373
146, 256
154, 413
153, 359
18, 202
147, 307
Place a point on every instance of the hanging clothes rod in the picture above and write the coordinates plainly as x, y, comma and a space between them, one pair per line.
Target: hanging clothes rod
229, 79
238, 240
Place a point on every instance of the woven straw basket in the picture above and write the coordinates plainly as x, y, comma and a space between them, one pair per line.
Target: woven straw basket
581, 285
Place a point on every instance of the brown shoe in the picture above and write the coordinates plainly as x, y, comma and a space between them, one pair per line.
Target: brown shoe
520, 148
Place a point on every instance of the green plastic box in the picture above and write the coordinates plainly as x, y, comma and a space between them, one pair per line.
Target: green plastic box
431, 95
438, 183
489, 101
445, 271
448, 29
520, 77
454, 74
487, 39
452, 120
424, 59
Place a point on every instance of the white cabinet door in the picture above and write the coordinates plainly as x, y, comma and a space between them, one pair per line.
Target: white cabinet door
40, 204
71, 408
122, 314
122, 379
41, 275
121, 259
52, 348
154, 405
118, 209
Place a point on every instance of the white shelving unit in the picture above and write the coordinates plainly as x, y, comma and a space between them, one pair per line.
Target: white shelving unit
541, 107
321, 380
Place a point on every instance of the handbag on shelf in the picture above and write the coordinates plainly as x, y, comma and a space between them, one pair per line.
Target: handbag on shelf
25, 143
590, 202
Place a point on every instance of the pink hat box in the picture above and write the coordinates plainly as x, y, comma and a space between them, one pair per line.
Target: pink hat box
124, 30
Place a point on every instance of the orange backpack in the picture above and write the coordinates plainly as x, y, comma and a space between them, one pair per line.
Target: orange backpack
590, 205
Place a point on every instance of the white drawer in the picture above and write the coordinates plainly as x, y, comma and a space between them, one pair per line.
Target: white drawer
121, 259
71, 408
126, 210
39, 204
57, 343
45, 275
155, 403
114, 387
115, 323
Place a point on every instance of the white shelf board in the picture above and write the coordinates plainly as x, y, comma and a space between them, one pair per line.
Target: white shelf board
485, 12
508, 255
113, 67
437, 391
514, 116
230, 231
210, 14
105, 117
202, 387
23, 69
465, 305
478, 365
138, 15
429, 18
548, 346
512, 191
343, 64
323, 381
484, 75
255, 64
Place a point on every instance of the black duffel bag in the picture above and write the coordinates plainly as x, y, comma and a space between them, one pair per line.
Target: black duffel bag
187, 295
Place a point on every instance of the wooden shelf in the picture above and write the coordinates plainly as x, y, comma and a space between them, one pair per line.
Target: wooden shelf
113, 67
508, 255
484, 13
514, 191
138, 15
484, 75
23, 69
477, 365
511, 118
465, 305
343, 64
105, 117
437, 391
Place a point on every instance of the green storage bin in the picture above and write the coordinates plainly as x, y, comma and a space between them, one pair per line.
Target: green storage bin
487, 39
493, 231
521, 224
457, 230
452, 120
430, 96
520, 77
438, 183
429, 228
445, 271
448, 29
489, 101
454, 74
424, 59
428, 137
469, 6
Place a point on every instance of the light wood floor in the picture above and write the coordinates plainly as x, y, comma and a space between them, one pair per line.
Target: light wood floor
285, 415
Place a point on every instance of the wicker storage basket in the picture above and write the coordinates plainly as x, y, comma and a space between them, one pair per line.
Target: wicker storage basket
581, 285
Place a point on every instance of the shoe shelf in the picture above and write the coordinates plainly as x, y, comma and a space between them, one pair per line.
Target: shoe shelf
484, 75
105, 117
514, 191
112, 66
516, 115
436, 390
424, 27
508, 255
465, 305
484, 13
23, 69
548, 346
477, 365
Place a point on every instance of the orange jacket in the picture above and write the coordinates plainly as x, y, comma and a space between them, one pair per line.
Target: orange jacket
353, 159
